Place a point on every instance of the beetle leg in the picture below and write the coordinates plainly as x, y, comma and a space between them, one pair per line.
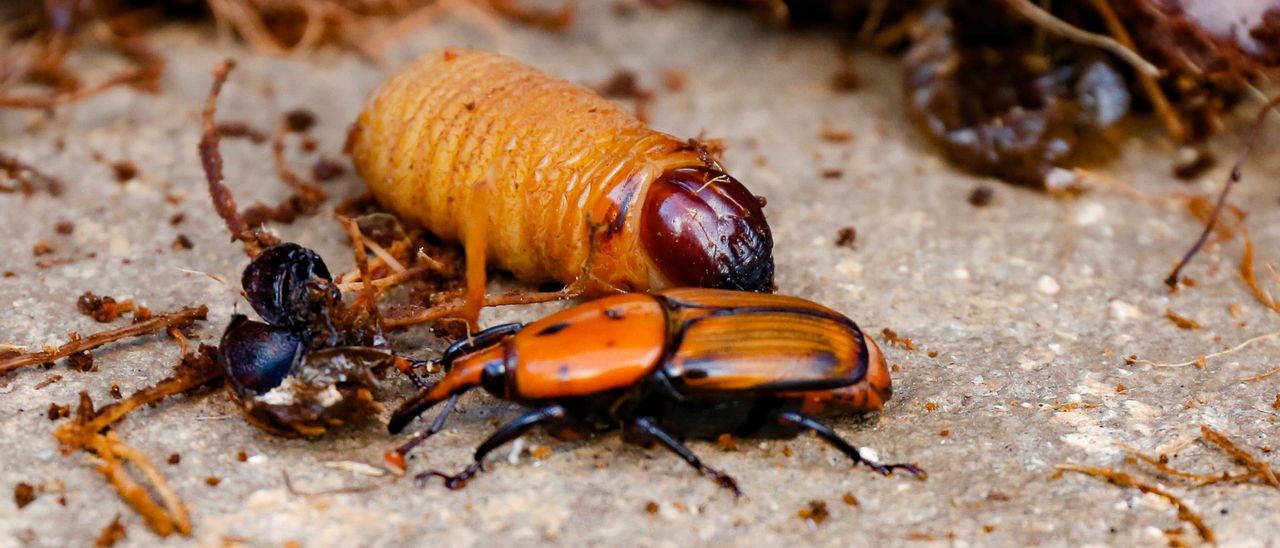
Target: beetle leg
508, 432
647, 427
791, 418
436, 426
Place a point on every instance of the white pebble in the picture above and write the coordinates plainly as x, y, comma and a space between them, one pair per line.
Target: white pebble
1090, 214
1122, 311
1047, 285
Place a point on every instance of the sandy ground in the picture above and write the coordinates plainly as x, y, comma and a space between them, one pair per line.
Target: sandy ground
1031, 305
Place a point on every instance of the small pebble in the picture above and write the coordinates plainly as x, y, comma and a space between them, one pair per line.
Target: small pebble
1047, 285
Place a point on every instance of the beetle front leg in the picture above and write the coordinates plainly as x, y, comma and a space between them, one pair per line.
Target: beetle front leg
435, 427
649, 429
509, 432
797, 420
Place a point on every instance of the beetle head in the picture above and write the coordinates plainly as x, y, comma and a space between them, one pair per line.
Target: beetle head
277, 283
704, 228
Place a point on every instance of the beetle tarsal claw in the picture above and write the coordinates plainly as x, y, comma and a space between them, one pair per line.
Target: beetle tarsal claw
727, 481
887, 469
453, 482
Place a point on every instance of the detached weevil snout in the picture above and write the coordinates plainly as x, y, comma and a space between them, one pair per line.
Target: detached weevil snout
679, 363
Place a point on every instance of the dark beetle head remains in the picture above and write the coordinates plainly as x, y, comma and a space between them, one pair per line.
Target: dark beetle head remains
703, 228
276, 280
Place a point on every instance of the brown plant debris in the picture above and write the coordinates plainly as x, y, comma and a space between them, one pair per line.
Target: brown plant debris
24, 494
180, 319
1255, 131
125, 170
835, 135
1257, 468
127, 76
1047, 21
890, 336
846, 78
1161, 464
103, 309
90, 431
111, 534
368, 292
1181, 321
1263, 375
816, 511
241, 130
406, 315
42, 248
1200, 361
52, 379
306, 197
981, 196
224, 202
1251, 278
624, 84
193, 371
165, 517
26, 177
1121, 479
846, 237
327, 169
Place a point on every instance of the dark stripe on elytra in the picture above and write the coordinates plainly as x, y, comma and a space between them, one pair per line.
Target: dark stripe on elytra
552, 329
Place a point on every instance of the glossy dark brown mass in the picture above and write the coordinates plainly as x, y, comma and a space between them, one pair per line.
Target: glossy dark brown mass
703, 228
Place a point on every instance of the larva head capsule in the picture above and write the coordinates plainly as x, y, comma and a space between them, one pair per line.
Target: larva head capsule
702, 228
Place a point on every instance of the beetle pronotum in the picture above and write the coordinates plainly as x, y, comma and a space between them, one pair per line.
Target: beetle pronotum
580, 190
667, 365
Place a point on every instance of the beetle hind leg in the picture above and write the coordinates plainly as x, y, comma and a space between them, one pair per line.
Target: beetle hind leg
510, 431
647, 429
801, 421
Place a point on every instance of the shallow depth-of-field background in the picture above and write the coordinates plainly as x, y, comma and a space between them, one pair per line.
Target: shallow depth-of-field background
1031, 303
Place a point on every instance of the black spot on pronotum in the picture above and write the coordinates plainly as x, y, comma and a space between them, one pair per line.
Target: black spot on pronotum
613, 314
551, 329
695, 374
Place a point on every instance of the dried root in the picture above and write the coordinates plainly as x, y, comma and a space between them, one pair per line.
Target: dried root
1121, 479
91, 432
193, 371
76, 345
1257, 471
254, 239
1255, 131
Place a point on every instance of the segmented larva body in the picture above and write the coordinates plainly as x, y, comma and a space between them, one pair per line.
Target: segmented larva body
567, 171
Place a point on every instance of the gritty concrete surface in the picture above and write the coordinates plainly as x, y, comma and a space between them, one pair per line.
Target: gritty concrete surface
1031, 304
